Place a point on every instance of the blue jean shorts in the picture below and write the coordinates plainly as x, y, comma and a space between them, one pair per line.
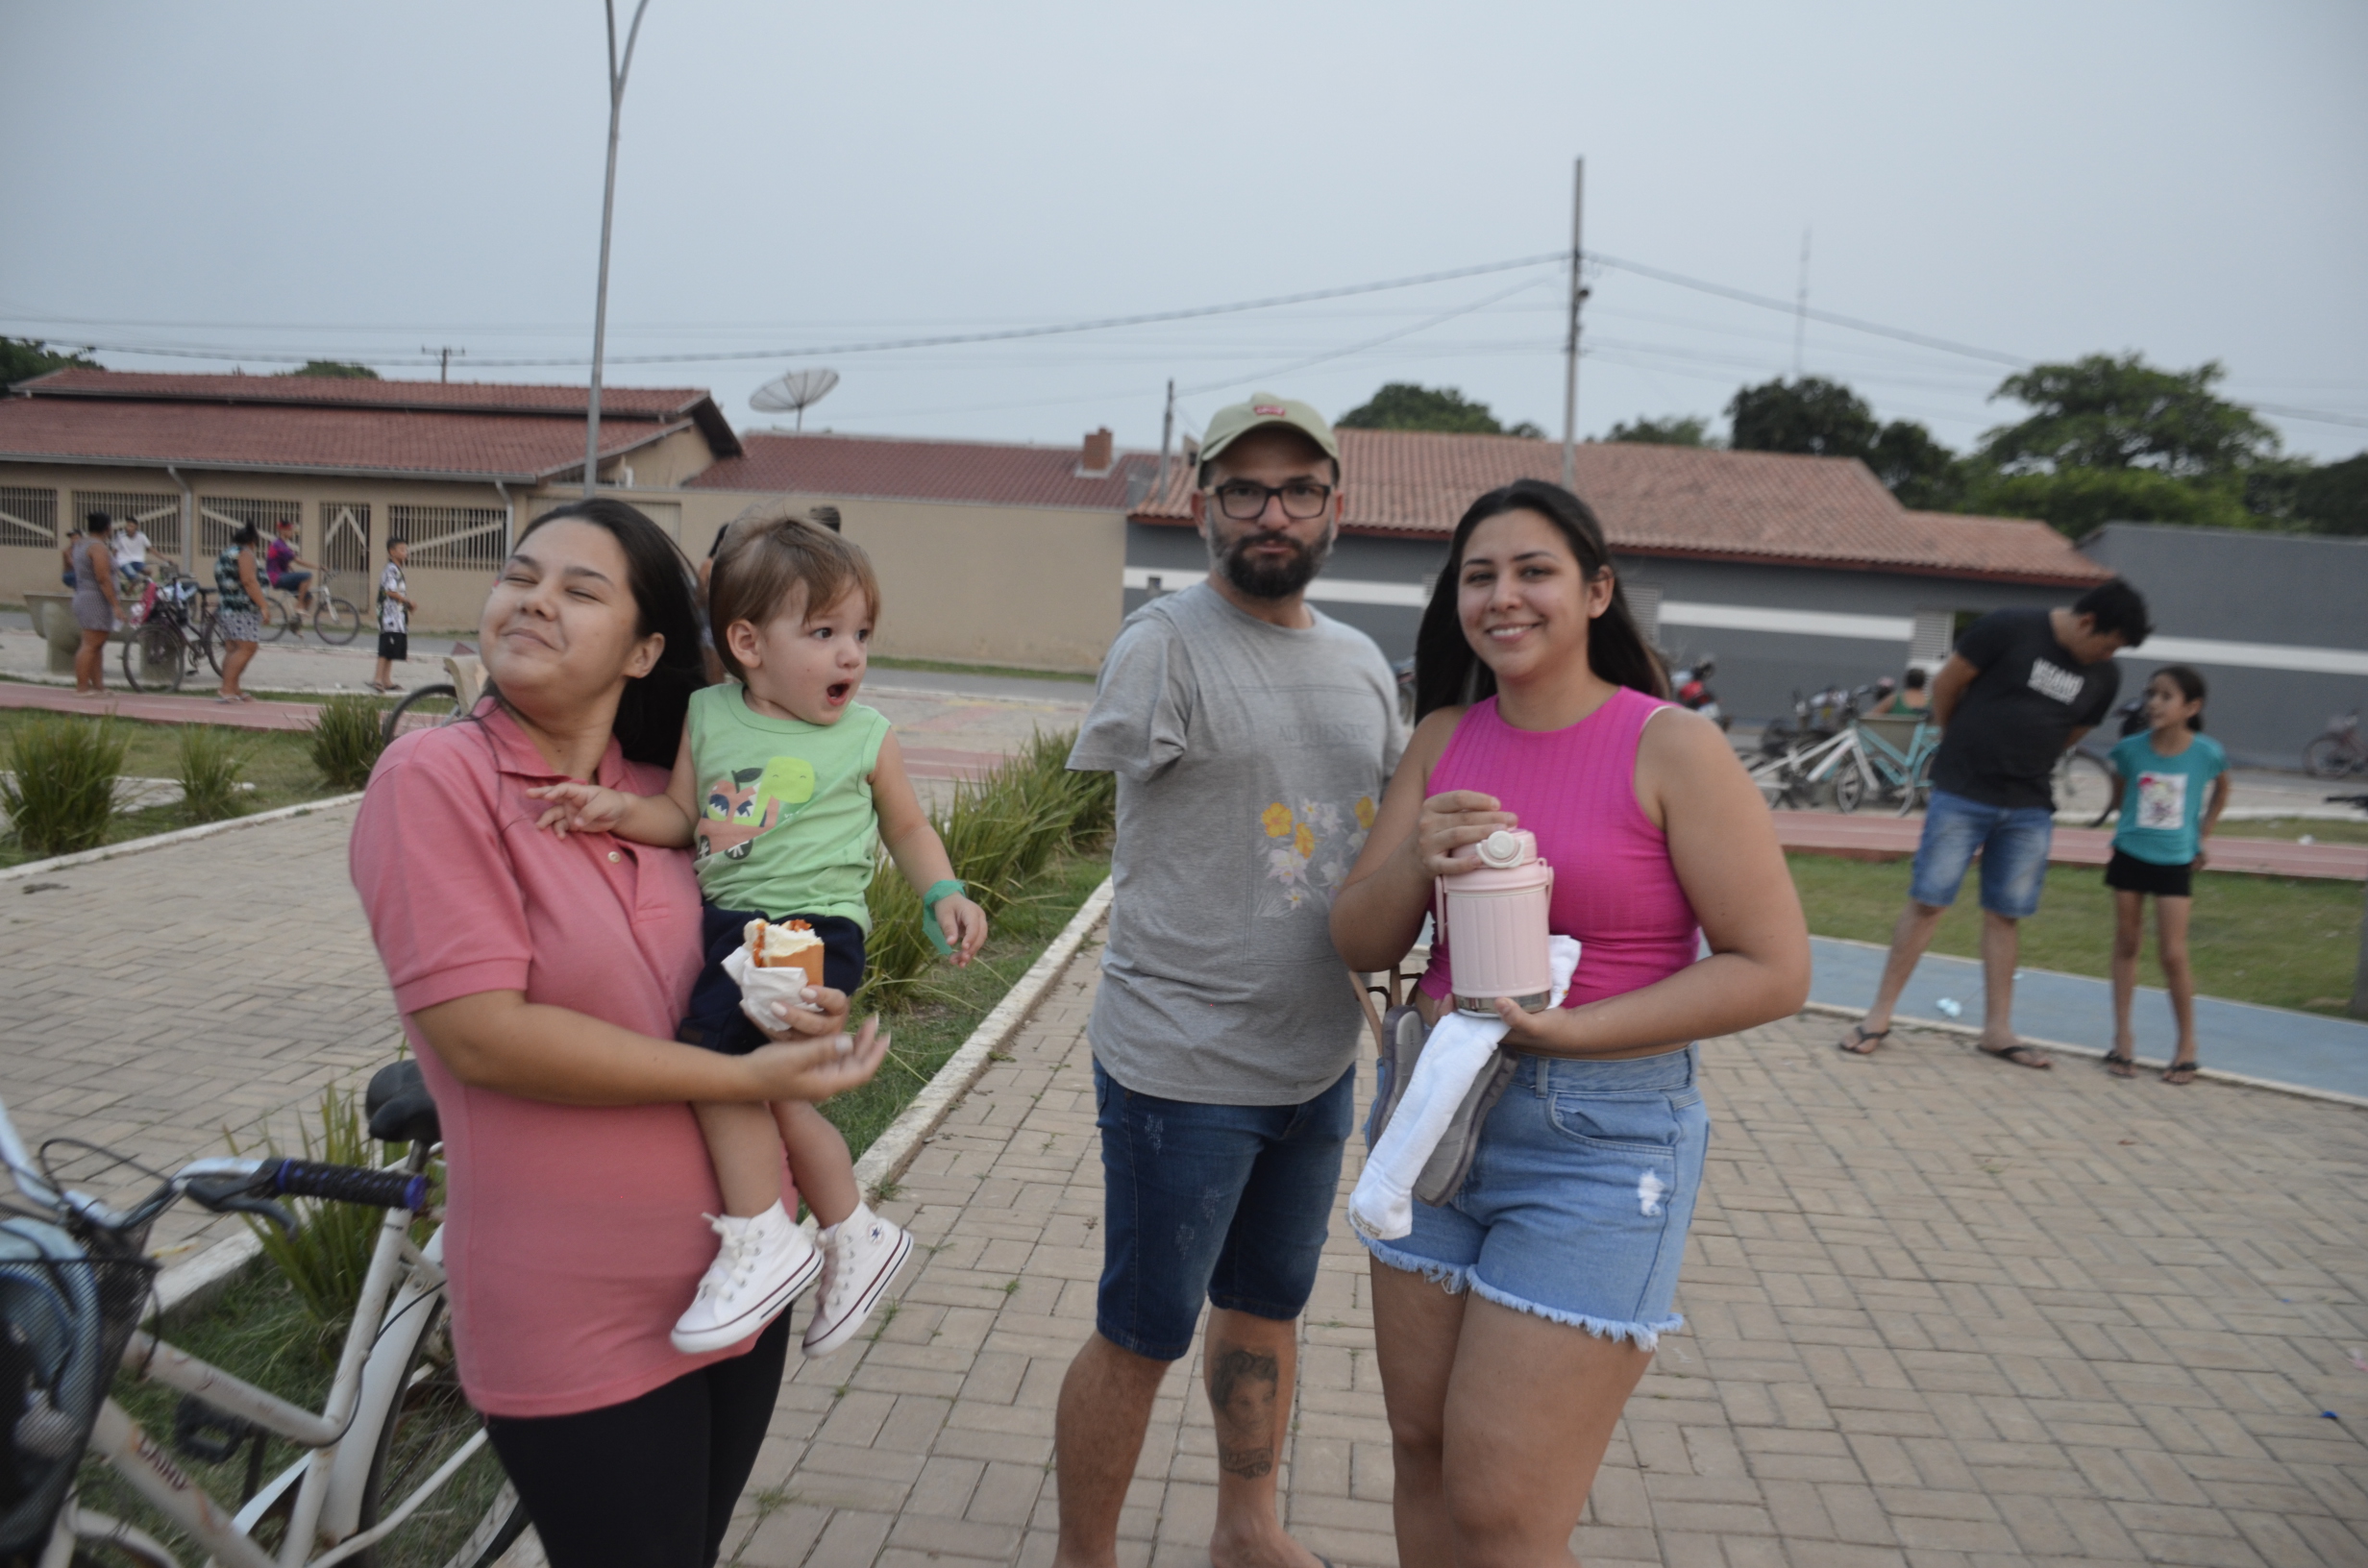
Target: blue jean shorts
2012, 841
1226, 1203
1579, 1197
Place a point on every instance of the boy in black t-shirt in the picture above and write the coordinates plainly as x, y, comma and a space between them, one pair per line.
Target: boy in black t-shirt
2021, 689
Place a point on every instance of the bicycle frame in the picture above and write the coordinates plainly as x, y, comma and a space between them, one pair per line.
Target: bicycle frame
330, 1481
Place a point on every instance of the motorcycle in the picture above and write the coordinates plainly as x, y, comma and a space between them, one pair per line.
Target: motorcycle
1691, 686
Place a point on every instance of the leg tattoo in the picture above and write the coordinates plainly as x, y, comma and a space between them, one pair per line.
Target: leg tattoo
1241, 1386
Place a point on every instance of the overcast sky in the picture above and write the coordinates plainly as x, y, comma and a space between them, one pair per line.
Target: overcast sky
2034, 181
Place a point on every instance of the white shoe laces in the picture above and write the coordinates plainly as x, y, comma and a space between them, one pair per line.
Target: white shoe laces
737, 1256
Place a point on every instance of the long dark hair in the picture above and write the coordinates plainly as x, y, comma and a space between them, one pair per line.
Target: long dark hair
2190, 684
1448, 674
648, 723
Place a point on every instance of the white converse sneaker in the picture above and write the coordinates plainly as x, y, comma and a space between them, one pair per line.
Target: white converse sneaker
861, 1255
761, 1267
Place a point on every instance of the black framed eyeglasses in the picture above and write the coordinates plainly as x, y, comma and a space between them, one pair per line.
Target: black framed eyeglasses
1244, 500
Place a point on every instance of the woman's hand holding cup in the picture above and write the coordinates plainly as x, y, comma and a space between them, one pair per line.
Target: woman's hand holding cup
1452, 821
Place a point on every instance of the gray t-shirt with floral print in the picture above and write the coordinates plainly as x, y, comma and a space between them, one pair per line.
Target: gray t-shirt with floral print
1250, 759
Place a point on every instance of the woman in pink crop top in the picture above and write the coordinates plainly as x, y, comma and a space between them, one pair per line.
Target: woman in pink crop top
540, 980
1543, 708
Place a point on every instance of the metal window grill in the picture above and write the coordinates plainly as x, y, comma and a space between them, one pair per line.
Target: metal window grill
159, 516
218, 516
27, 517
468, 537
1644, 607
345, 536
1935, 633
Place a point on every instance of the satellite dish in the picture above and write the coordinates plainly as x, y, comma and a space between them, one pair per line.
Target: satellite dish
794, 393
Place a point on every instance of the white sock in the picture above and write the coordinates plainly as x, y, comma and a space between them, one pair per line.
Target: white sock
860, 1217
1460, 1048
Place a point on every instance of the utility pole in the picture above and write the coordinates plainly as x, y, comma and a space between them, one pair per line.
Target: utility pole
617, 70
1570, 344
1800, 312
444, 372
1167, 434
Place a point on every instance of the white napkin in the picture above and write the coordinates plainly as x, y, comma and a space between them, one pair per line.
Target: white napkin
1458, 1050
761, 989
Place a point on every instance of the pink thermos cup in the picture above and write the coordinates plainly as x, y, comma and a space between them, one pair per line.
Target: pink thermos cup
1493, 918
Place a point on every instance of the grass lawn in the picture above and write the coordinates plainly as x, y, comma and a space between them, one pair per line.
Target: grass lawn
279, 766
2290, 828
2282, 942
943, 1015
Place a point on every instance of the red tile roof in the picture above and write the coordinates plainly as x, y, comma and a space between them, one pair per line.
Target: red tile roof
891, 468
462, 429
1684, 500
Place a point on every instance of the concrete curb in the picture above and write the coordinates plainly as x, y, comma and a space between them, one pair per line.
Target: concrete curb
187, 1286
1966, 1031
164, 841
894, 1149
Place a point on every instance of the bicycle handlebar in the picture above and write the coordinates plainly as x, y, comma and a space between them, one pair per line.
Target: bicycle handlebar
345, 1183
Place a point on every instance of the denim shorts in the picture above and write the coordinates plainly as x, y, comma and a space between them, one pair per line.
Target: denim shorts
1227, 1203
2012, 841
713, 1019
1579, 1197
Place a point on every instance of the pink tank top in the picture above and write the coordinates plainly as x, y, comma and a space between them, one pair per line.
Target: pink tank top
1575, 789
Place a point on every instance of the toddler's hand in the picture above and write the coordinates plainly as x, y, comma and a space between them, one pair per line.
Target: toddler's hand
580, 808
964, 924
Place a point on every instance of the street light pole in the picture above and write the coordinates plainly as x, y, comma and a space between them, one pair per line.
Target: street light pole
617, 70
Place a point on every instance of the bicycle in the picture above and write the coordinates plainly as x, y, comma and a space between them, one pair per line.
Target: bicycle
174, 636
394, 1434
2086, 788
2338, 750
334, 621
448, 701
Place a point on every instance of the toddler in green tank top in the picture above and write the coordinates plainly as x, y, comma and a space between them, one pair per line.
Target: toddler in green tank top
786, 786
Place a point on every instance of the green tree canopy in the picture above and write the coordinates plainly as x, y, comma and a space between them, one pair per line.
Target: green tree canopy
1916, 467
1812, 415
1674, 430
1403, 406
21, 358
338, 370
2334, 498
2105, 412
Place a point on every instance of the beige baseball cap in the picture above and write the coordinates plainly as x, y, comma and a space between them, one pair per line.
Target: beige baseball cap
1231, 423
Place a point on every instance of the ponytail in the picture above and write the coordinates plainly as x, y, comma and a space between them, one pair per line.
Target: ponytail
1449, 673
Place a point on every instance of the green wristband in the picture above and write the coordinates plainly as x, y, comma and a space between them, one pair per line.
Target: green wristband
946, 889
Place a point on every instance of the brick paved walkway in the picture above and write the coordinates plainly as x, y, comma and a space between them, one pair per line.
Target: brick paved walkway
1943, 1312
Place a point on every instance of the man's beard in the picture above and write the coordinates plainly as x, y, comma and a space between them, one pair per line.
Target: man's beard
1274, 580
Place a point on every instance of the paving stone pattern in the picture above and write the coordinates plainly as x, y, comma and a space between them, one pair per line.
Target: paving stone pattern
152, 1002
1942, 1312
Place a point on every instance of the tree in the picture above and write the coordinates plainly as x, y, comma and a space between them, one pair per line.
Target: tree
21, 358
1674, 430
2334, 498
1814, 416
2075, 500
1402, 405
2105, 412
337, 370
1925, 475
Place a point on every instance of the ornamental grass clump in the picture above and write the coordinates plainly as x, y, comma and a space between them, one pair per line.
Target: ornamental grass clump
347, 740
1000, 830
59, 788
326, 1258
211, 769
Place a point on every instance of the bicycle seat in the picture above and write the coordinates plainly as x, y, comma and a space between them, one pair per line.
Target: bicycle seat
398, 1107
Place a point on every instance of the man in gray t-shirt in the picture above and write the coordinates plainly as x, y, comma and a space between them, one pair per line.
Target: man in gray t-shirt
1251, 737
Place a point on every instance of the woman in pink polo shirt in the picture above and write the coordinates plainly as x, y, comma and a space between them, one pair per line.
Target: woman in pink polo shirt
540, 979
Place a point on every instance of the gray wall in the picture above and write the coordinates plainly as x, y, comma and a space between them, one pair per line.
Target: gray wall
2255, 588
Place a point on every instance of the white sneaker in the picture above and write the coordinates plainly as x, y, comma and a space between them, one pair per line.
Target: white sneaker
861, 1255
761, 1267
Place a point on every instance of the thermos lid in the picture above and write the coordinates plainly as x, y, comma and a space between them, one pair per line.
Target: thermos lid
1505, 849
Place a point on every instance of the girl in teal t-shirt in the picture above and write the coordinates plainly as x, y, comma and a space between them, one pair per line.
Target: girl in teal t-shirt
2175, 782
786, 787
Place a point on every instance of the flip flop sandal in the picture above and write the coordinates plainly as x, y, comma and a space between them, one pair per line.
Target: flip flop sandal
2119, 1065
2186, 1067
2022, 1056
1863, 1041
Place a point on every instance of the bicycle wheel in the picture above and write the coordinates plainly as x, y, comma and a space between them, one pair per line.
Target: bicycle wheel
276, 618
2327, 757
422, 709
1849, 789
152, 660
471, 1519
336, 620
2087, 790
1917, 792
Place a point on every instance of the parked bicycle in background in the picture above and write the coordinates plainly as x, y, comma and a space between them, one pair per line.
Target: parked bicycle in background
2338, 752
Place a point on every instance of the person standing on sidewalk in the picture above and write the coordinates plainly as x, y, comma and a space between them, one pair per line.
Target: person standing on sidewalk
1251, 737
395, 607
97, 611
2021, 689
